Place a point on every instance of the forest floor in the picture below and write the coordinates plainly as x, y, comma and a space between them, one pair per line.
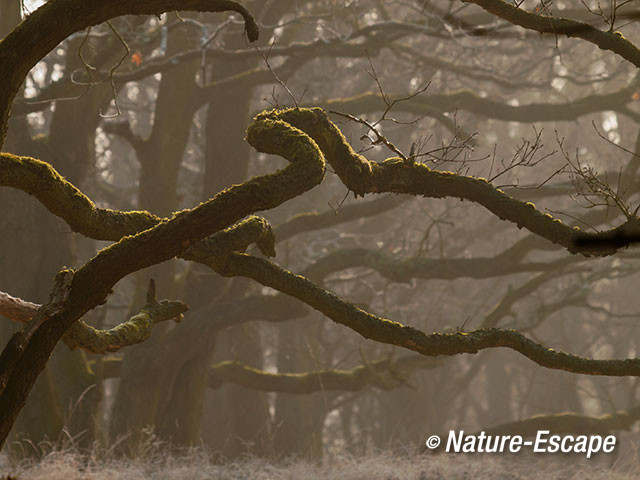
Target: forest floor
196, 465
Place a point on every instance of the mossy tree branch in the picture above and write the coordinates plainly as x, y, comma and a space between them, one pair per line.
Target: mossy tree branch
50, 24
606, 40
398, 176
77, 292
385, 374
82, 336
383, 330
281, 133
362, 176
567, 422
64, 200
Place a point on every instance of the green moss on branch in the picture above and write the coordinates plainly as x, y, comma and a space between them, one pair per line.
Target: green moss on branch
383, 374
82, 336
41, 180
383, 330
397, 176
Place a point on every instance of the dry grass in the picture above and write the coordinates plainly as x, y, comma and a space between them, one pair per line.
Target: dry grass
196, 465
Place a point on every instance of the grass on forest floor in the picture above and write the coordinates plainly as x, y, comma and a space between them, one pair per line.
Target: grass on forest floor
197, 465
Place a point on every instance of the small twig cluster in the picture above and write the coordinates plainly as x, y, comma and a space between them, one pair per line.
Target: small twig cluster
528, 154
594, 189
608, 17
89, 69
450, 151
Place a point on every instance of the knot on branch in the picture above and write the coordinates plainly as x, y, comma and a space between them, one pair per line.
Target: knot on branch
216, 250
163, 309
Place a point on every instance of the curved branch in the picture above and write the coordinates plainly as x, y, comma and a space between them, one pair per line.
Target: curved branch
27, 352
489, 107
282, 133
135, 330
382, 330
307, 222
64, 200
50, 24
384, 374
569, 423
401, 176
399, 270
612, 41
359, 175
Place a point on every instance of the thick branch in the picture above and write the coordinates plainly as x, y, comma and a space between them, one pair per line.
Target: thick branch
357, 173
17, 309
488, 107
569, 423
28, 350
50, 24
384, 374
64, 200
386, 331
135, 330
399, 176
611, 41
398, 270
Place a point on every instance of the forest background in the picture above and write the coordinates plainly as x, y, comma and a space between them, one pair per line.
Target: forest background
150, 113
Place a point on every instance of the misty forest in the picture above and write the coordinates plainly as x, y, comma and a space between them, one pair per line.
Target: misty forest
296, 239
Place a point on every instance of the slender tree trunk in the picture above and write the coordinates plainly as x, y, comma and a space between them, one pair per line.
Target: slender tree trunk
299, 419
146, 377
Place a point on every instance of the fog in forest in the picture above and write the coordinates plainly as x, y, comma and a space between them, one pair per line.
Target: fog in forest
331, 239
